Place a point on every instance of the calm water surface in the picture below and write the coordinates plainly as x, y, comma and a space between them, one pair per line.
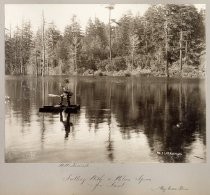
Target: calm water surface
121, 120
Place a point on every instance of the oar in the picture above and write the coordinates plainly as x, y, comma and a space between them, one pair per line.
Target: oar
53, 95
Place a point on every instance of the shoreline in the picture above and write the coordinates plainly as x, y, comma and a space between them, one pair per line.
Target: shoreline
113, 75
188, 72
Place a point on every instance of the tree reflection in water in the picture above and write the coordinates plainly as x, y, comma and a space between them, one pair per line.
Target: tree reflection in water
170, 113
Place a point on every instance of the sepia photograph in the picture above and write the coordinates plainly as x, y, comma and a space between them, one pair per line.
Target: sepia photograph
105, 83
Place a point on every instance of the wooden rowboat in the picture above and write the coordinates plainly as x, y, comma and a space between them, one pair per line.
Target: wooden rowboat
59, 108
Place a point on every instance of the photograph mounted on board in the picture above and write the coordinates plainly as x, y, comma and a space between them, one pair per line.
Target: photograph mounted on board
95, 83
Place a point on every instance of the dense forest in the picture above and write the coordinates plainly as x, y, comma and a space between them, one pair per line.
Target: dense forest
168, 40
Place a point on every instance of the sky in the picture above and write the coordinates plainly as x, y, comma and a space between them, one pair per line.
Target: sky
61, 14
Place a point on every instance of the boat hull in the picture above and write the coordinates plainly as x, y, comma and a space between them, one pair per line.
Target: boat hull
58, 108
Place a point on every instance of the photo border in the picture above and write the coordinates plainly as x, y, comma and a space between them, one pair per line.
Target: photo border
24, 178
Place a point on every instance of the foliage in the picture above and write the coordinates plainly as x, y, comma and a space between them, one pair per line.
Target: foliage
139, 44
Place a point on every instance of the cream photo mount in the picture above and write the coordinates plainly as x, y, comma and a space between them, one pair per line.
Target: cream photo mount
156, 178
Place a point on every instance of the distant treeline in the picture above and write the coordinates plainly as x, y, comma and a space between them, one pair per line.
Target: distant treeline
166, 37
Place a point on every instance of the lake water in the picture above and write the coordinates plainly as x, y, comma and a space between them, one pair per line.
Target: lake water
122, 120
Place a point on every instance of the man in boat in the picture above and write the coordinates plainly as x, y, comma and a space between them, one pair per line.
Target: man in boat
66, 93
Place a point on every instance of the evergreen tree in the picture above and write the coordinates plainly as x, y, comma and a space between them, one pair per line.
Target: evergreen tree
52, 38
165, 37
